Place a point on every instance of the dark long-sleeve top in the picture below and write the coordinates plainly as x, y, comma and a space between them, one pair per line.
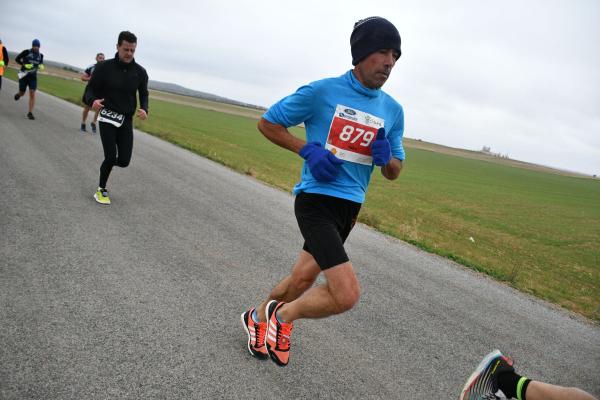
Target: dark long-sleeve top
28, 56
117, 83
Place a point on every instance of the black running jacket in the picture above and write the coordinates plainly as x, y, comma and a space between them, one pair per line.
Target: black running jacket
117, 83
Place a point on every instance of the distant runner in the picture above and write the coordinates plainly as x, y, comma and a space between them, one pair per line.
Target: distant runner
112, 91
3, 61
495, 378
86, 76
31, 60
352, 126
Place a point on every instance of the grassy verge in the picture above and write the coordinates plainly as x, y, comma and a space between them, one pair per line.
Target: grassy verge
538, 232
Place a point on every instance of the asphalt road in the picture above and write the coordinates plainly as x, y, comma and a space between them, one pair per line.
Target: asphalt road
142, 299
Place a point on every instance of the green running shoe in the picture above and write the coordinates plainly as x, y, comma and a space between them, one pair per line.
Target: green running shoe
101, 196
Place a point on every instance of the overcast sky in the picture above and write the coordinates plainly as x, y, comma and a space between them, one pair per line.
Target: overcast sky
522, 77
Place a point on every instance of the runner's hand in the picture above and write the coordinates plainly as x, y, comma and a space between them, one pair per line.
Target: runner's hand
142, 114
381, 149
97, 104
1, 63
28, 66
41, 67
323, 165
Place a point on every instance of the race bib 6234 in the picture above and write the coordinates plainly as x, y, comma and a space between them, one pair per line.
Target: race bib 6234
111, 117
351, 134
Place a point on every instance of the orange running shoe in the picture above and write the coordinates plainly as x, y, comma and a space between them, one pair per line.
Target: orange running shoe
278, 335
256, 335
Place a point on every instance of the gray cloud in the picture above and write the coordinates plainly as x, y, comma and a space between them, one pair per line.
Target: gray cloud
521, 77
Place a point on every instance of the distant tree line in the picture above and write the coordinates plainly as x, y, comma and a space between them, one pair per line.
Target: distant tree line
488, 150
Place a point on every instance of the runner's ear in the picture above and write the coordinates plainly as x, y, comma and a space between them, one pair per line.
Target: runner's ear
380, 134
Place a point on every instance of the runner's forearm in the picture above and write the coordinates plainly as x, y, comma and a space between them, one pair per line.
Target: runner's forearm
92, 90
143, 92
280, 136
89, 91
19, 58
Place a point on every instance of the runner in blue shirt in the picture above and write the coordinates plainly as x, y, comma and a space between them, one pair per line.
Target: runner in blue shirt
352, 127
31, 60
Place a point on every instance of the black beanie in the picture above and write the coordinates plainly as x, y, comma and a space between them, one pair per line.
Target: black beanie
372, 34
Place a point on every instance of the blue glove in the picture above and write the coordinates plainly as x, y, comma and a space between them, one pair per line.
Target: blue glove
323, 165
381, 149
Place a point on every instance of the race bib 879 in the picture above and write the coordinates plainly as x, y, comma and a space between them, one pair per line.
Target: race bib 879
111, 117
351, 134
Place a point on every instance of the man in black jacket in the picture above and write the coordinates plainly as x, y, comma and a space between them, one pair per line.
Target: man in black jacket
112, 91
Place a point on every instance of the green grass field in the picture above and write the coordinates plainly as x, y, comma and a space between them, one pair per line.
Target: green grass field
536, 231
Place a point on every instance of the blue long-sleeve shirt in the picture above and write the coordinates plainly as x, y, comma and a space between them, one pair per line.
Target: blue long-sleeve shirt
344, 116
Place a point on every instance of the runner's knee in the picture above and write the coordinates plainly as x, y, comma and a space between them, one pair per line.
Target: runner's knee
345, 300
110, 160
303, 281
305, 271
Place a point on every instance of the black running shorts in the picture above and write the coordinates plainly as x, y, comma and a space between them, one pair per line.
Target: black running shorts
325, 223
29, 80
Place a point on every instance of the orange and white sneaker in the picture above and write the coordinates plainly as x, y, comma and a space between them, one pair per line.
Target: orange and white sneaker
256, 335
278, 335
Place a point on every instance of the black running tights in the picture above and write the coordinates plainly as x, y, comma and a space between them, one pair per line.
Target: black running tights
118, 145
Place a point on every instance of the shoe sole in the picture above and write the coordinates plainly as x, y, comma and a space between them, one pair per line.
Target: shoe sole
272, 356
480, 368
245, 325
99, 202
